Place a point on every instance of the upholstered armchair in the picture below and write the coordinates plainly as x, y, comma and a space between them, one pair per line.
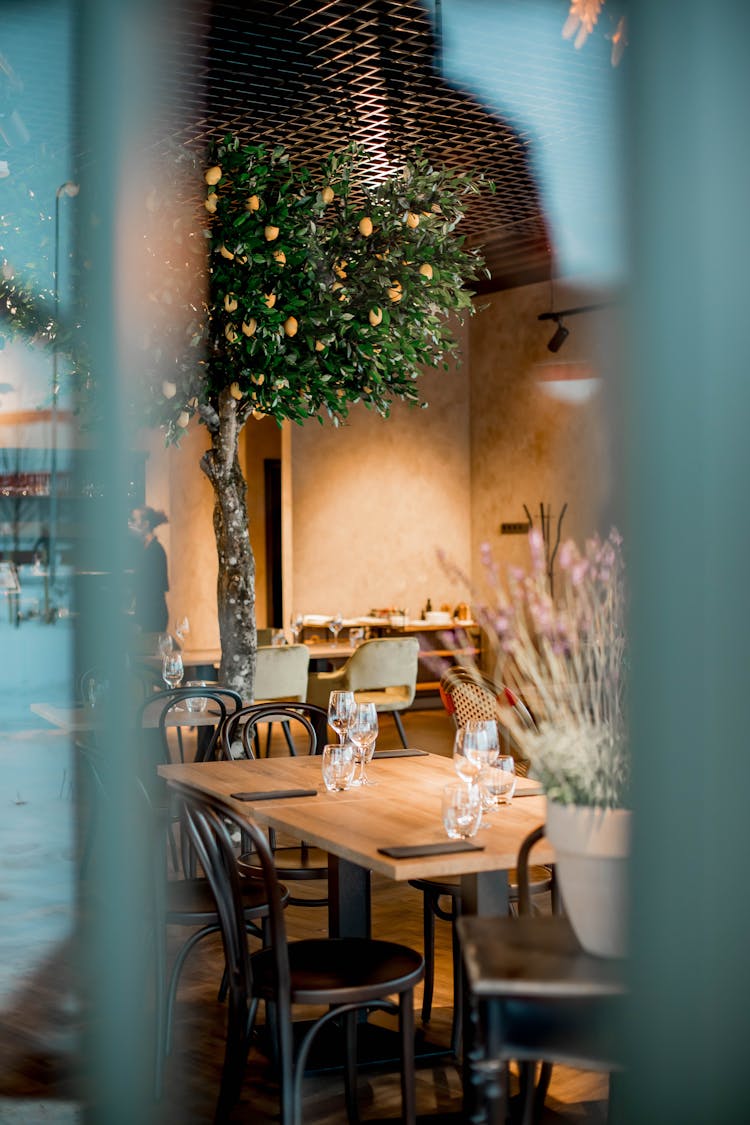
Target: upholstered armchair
381, 671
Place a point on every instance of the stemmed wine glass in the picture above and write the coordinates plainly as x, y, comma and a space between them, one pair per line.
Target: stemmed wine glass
182, 628
296, 622
341, 706
498, 782
172, 670
475, 746
164, 643
335, 627
363, 732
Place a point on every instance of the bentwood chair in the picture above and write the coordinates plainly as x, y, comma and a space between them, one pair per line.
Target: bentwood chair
343, 976
469, 696
305, 726
381, 671
188, 902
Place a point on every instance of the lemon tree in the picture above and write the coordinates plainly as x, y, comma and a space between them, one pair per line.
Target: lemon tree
325, 289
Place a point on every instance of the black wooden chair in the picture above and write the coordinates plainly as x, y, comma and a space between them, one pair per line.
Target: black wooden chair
343, 975
188, 902
305, 727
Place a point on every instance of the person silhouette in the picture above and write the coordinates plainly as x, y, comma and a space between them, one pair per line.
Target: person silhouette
150, 572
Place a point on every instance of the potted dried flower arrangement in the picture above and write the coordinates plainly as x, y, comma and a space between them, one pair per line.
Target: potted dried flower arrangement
566, 657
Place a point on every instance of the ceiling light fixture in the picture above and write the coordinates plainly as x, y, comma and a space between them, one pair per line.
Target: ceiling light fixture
560, 336
561, 332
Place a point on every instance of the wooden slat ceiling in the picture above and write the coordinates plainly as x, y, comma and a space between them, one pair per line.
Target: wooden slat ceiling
314, 75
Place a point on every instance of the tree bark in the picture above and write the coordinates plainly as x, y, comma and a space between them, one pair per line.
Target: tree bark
236, 581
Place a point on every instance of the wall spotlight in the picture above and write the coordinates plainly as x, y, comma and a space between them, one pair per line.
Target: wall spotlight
560, 336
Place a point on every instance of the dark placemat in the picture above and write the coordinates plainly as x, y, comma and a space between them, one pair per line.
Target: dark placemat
400, 754
407, 851
273, 794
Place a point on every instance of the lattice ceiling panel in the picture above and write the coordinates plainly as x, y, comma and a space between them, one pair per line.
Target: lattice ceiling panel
315, 75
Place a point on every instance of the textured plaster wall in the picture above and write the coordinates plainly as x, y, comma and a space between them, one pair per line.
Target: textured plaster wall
175, 484
372, 502
526, 445
367, 506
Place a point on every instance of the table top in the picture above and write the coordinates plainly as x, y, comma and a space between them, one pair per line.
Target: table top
403, 807
75, 719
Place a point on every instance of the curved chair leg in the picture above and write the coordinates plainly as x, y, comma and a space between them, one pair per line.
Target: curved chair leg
400, 728
457, 1026
406, 1027
350, 1067
175, 976
235, 1059
428, 931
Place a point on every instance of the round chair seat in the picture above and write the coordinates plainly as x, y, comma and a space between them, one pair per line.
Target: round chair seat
192, 900
339, 970
293, 863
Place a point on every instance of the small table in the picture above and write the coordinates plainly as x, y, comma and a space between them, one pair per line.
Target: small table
77, 719
534, 995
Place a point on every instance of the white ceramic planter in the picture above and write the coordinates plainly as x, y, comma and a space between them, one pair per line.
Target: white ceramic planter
592, 848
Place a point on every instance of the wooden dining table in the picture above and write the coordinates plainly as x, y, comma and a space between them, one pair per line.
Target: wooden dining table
401, 807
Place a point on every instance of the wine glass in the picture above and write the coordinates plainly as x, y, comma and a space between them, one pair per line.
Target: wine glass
363, 732
335, 626
164, 643
172, 670
480, 744
182, 628
498, 782
476, 745
341, 706
296, 622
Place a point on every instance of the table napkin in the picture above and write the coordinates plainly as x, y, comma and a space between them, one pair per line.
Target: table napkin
273, 794
406, 851
400, 754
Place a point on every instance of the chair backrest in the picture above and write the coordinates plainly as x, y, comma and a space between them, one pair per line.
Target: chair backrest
154, 713
281, 672
209, 822
306, 721
386, 662
470, 696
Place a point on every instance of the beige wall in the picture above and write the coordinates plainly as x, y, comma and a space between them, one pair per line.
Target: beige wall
527, 446
367, 506
372, 501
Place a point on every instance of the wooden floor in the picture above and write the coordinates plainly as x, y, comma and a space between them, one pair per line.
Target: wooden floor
40, 1032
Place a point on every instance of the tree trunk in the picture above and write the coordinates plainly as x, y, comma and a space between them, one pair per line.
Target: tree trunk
236, 582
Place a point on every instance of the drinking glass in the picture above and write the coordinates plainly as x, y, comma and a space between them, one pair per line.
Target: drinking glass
498, 781
182, 628
475, 746
341, 706
164, 643
199, 702
171, 669
462, 810
296, 622
356, 636
363, 732
335, 627
338, 766
96, 691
